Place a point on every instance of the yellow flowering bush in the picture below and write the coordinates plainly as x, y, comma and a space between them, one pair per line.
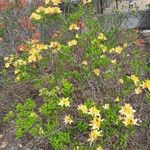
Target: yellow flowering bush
81, 77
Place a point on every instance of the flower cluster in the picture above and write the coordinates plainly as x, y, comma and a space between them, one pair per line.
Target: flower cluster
34, 51
53, 9
127, 115
95, 123
8, 61
140, 85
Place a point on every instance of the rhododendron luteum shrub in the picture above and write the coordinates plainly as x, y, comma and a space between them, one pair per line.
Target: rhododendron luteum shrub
82, 79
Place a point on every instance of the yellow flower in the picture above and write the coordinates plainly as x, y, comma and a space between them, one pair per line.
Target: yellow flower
17, 71
135, 79
73, 27
72, 43
118, 49
103, 47
102, 37
97, 72
7, 65
41, 9
117, 99
17, 79
56, 10
85, 62
31, 58
83, 108
35, 16
96, 122
99, 148
47, 2
127, 110
106, 106
93, 135
20, 62
112, 50
114, 61
94, 111
55, 45
64, 102
121, 81
125, 45
68, 119
77, 36
130, 121
146, 84
55, 2
6, 58
49, 10
86, 1
138, 90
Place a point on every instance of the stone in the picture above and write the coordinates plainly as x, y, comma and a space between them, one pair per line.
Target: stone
146, 33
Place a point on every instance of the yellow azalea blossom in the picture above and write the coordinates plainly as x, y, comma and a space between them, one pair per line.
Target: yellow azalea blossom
93, 135
94, 111
74, 27
99, 148
72, 43
97, 72
117, 99
146, 84
17, 71
77, 36
20, 62
114, 61
125, 45
106, 106
127, 110
49, 10
138, 90
85, 62
17, 79
121, 81
47, 2
7, 65
129, 121
31, 58
112, 50
56, 10
135, 79
118, 49
86, 1
6, 58
102, 37
103, 47
41, 9
83, 108
96, 123
35, 16
68, 119
55, 45
55, 2
34, 58
64, 102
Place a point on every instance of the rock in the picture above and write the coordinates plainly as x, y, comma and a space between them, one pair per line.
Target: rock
146, 33
3, 145
1, 136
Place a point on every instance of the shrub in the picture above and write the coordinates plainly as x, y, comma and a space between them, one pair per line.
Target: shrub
83, 76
